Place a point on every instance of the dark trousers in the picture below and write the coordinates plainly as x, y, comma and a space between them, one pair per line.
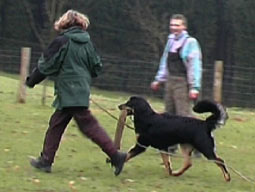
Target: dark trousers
87, 124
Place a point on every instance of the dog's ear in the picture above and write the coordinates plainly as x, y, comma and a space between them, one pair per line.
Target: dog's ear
139, 104
131, 101
133, 98
134, 101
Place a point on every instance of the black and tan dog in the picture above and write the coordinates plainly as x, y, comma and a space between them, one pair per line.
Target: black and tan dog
163, 130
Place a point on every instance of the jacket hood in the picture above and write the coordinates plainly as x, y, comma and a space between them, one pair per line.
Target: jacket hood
77, 34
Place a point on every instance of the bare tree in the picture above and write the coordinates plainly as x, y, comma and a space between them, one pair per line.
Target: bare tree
150, 22
52, 9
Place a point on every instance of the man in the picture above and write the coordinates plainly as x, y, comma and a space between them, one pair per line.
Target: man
71, 61
181, 68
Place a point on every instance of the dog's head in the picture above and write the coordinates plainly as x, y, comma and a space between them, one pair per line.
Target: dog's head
134, 104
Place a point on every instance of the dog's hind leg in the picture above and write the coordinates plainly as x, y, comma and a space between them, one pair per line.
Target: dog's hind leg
186, 152
167, 162
220, 162
208, 150
211, 155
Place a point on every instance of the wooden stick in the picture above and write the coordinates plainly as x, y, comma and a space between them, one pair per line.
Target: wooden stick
119, 128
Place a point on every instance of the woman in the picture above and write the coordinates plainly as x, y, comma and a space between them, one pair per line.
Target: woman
71, 61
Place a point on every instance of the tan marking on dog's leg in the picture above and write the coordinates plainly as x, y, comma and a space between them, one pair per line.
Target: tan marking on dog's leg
224, 170
186, 152
128, 157
167, 162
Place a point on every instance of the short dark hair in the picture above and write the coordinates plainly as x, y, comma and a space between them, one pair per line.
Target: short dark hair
180, 17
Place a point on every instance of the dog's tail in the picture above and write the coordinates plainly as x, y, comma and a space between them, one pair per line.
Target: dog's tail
219, 115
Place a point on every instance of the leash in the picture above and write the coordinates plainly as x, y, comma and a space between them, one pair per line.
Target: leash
110, 114
248, 179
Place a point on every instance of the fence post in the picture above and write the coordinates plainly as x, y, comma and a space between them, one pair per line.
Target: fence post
24, 66
218, 78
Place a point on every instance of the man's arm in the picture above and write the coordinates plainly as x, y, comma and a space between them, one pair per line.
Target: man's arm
162, 72
192, 57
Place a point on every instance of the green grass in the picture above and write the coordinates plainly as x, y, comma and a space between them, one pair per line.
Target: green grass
80, 164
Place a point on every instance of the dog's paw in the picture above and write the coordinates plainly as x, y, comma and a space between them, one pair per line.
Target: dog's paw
227, 177
176, 173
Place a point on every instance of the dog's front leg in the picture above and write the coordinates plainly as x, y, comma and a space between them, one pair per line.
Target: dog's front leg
186, 152
134, 151
140, 147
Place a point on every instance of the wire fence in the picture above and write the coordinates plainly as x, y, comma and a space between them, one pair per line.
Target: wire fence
135, 76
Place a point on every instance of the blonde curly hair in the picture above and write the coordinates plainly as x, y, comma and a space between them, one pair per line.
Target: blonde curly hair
71, 18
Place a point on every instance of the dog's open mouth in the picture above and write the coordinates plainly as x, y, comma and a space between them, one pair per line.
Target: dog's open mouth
129, 110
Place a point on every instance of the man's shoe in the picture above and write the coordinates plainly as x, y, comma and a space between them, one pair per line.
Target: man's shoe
41, 164
118, 161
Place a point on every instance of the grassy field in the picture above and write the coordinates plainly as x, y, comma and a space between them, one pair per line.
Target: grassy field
80, 164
